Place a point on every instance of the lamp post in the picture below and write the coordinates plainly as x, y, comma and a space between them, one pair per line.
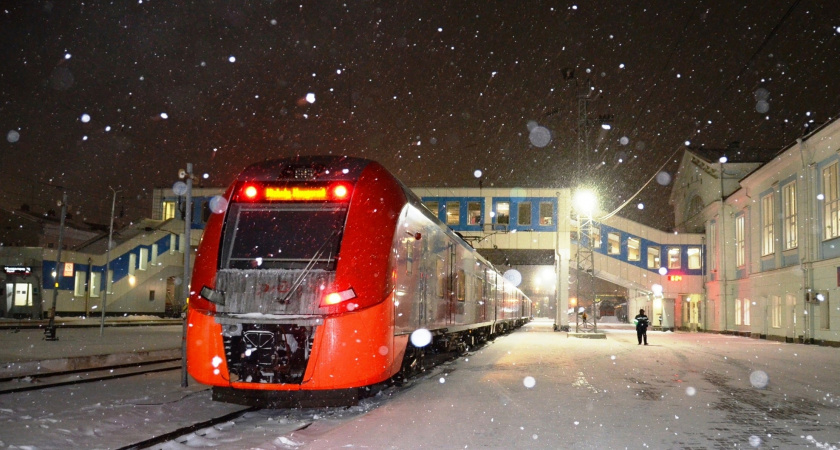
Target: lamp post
185, 188
585, 203
107, 264
49, 332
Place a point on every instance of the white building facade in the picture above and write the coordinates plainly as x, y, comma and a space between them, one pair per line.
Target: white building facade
772, 232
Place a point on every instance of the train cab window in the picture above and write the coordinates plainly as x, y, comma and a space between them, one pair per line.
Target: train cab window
674, 258
524, 211
693, 257
433, 207
474, 213
653, 258
546, 213
634, 247
503, 213
453, 216
613, 243
260, 237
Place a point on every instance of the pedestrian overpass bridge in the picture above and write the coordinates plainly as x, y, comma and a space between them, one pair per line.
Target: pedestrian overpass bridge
662, 271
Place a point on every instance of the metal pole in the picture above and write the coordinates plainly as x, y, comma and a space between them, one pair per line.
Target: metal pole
49, 333
187, 254
107, 265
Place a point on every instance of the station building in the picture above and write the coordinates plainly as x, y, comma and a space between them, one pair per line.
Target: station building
756, 250
772, 229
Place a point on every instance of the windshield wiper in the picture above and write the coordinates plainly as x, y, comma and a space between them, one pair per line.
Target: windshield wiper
309, 265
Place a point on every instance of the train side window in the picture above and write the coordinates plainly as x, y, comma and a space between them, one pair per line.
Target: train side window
524, 214
503, 213
474, 213
453, 216
462, 285
546, 213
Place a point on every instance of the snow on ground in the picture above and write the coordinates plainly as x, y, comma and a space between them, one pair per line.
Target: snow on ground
534, 388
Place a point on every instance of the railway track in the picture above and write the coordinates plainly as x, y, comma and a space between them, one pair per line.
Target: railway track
42, 381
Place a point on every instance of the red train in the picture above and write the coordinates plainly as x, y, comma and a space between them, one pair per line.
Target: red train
309, 284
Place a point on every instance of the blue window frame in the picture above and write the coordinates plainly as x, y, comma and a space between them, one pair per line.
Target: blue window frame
526, 213
459, 213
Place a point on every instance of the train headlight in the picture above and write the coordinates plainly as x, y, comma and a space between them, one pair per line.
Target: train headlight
335, 298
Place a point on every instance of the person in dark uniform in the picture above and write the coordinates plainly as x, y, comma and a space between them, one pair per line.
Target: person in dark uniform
642, 323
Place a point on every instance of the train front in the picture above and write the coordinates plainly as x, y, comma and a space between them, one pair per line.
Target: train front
290, 302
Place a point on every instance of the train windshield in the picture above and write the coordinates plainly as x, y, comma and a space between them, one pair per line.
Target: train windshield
283, 236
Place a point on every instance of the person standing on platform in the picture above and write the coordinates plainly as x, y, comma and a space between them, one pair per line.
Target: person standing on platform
642, 323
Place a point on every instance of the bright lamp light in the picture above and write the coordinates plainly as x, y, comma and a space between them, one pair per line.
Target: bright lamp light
585, 202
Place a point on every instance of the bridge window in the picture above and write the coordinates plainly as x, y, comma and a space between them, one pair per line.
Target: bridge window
613, 241
694, 258
634, 247
546, 213
674, 258
524, 214
595, 232
433, 207
474, 213
503, 213
653, 258
452, 213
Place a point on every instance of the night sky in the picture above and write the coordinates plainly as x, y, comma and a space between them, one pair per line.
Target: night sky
124, 93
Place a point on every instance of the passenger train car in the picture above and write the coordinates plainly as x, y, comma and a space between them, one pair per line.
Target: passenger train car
314, 273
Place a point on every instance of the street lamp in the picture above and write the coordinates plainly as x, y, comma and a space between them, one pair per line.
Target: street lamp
586, 204
108, 262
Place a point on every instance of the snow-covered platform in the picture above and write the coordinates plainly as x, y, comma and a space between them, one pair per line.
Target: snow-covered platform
24, 351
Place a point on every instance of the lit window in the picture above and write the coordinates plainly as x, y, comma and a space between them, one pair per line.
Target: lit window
503, 213
613, 243
831, 202
653, 258
474, 213
132, 263
768, 237
433, 207
776, 318
740, 249
168, 210
79, 288
693, 257
453, 213
546, 213
595, 232
634, 247
789, 214
144, 259
95, 283
674, 258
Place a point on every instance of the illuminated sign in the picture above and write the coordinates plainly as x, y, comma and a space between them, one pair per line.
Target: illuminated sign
674, 277
17, 270
295, 193
68, 270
